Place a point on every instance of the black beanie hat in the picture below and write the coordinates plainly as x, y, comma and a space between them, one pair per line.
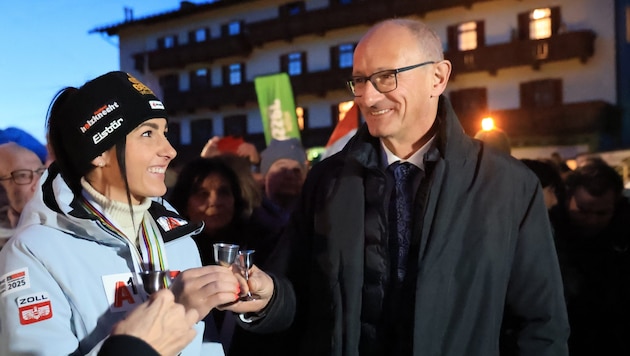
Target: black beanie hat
102, 112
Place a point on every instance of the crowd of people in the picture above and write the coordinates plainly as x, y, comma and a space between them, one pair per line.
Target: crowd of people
415, 239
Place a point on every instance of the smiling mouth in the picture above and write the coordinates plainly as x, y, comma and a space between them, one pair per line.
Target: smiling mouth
159, 170
379, 112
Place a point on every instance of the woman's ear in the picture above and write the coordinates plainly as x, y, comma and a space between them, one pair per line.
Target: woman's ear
102, 160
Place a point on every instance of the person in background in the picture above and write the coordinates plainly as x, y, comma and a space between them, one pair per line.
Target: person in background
158, 327
283, 165
207, 190
550, 179
104, 226
364, 270
20, 170
593, 244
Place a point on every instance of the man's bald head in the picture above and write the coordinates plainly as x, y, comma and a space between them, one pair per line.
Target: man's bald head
15, 158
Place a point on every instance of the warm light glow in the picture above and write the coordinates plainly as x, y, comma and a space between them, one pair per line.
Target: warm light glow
541, 13
299, 111
343, 109
487, 124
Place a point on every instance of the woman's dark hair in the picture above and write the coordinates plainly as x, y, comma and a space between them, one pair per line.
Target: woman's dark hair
192, 176
54, 126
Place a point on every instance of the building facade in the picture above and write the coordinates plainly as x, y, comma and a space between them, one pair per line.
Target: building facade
550, 72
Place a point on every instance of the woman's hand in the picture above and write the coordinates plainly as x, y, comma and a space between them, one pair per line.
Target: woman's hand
204, 288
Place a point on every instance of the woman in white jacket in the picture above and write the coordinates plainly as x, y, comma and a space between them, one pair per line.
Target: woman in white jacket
73, 268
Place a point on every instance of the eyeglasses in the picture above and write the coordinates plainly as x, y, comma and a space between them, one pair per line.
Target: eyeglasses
383, 81
24, 176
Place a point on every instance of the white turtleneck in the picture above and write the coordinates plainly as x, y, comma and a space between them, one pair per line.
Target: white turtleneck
119, 213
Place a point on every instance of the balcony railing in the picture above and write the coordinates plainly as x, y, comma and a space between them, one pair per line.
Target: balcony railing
314, 22
576, 44
199, 52
313, 83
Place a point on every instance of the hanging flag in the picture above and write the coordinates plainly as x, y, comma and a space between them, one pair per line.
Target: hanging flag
344, 130
277, 107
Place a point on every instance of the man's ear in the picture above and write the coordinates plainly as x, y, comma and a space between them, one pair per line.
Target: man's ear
441, 75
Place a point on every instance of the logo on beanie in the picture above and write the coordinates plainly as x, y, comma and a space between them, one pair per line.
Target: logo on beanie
99, 136
99, 114
156, 104
141, 88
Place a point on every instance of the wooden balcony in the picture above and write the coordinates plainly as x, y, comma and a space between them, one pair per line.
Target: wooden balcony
318, 21
313, 83
199, 52
569, 45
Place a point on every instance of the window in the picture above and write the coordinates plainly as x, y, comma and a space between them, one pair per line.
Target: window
541, 93
539, 23
292, 9
235, 125
232, 28
466, 36
628, 24
471, 101
200, 78
200, 35
345, 55
233, 74
201, 131
138, 62
341, 55
340, 112
293, 63
169, 83
167, 42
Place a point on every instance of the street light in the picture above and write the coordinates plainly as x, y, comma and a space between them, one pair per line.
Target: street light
493, 136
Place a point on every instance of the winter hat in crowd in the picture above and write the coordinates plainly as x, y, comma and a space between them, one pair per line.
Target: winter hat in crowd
102, 112
24, 139
290, 149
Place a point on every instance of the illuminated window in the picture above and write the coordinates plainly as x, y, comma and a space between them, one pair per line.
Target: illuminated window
467, 36
167, 42
293, 63
628, 24
236, 73
345, 55
201, 35
200, 78
540, 24
234, 28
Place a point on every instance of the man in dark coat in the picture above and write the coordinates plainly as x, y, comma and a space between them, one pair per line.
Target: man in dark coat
480, 251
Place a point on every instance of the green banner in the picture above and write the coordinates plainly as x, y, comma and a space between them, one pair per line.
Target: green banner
277, 107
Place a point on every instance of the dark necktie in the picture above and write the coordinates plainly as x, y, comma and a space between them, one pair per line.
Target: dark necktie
400, 215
